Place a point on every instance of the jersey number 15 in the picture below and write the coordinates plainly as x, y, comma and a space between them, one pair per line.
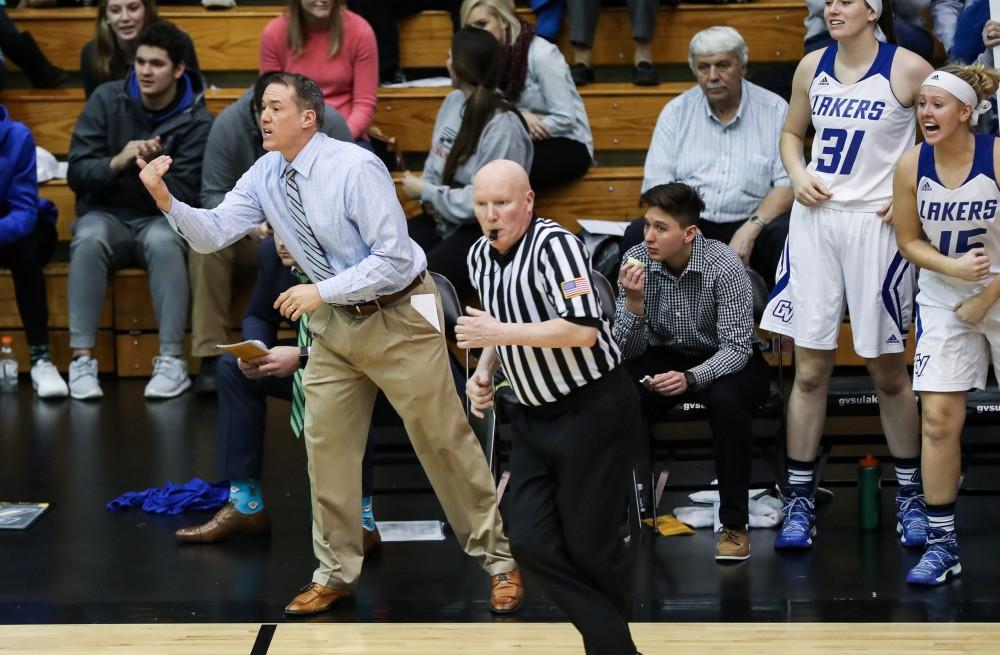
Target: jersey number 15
832, 158
963, 241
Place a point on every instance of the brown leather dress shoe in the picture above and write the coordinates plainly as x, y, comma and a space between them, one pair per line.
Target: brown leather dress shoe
226, 522
508, 592
371, 541
315, 598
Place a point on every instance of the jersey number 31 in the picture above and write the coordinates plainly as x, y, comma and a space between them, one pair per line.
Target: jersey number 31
832, 158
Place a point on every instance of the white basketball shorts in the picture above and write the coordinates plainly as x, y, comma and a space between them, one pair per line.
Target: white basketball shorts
835, 259
952, 355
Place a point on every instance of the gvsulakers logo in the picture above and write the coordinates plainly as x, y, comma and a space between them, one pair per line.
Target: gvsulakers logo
783, 310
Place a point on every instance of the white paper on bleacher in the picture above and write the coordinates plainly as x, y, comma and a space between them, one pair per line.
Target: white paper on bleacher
422, 83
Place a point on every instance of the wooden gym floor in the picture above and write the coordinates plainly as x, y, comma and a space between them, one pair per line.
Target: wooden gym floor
499, 639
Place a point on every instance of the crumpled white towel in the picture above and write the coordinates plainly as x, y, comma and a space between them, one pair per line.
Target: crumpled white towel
765, 511
46, 165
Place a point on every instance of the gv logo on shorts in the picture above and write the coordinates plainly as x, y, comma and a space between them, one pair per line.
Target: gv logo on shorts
919, 362
783, 310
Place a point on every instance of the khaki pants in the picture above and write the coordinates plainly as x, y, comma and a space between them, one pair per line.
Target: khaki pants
398, 351
212, 292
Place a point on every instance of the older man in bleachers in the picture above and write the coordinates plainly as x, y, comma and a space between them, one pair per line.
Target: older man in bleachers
721, 138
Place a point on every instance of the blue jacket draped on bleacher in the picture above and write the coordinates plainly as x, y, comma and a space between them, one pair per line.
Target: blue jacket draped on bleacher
20, 207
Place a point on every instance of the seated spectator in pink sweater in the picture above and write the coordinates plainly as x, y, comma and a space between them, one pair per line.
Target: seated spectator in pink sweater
322, 40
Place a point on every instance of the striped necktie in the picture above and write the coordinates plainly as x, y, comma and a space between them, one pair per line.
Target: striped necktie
298, 417
307, 238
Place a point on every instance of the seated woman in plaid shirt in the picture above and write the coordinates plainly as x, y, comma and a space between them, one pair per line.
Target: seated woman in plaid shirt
684, 323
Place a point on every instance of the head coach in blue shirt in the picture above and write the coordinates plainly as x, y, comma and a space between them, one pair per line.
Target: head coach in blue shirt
334, 206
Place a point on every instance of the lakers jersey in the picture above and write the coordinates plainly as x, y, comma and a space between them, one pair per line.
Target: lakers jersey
958, 220
861, 132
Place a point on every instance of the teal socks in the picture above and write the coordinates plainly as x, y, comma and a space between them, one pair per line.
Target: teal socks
245, 496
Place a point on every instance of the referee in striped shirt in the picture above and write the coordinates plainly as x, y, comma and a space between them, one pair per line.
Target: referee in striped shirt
577, 414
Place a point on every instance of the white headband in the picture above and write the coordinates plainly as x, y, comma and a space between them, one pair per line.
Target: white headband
876, 6
961, 89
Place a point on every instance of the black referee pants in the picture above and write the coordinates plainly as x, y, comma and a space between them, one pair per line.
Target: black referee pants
571, 469
730, 401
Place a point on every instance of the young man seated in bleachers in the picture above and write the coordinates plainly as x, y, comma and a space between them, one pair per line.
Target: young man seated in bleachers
721, 137
684, 323
234, 144
157, 110
27, 238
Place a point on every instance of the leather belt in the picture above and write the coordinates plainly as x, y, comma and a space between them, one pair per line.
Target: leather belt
369, 308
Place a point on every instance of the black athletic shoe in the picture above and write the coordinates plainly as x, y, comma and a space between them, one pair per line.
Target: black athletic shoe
645, 75
582, 74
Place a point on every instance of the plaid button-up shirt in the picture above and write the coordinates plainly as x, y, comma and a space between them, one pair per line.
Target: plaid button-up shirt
706, 310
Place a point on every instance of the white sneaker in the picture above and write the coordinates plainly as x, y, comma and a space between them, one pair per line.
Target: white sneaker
83, 382
46, 381
170, 378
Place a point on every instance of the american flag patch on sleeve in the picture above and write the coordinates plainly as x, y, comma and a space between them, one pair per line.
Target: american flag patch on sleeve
576, 287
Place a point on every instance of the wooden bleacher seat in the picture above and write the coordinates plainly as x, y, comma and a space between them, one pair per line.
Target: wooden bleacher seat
622, 115
230, 40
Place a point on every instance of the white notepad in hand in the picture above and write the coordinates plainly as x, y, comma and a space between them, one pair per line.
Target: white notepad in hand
245, 350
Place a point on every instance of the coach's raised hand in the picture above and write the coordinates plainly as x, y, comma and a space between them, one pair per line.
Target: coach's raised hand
151, 175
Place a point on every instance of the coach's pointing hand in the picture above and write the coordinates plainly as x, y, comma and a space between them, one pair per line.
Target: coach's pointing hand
151, 175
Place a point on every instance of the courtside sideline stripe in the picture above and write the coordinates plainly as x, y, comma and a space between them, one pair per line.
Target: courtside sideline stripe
264, 636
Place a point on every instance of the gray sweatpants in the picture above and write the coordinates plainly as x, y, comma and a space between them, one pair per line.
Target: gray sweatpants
103, 243
583, 19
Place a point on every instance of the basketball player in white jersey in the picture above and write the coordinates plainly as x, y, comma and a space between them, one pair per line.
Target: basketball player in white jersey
841, 251
946, 205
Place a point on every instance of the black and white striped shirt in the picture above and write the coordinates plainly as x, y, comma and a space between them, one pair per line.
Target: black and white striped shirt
544, 276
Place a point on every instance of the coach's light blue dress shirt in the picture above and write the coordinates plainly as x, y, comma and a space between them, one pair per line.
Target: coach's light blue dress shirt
350, 203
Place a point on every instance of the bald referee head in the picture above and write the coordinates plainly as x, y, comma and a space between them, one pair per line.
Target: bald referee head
504, 202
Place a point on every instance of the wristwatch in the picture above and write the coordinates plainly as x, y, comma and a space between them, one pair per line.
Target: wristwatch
758, 221
692, 382
303, 356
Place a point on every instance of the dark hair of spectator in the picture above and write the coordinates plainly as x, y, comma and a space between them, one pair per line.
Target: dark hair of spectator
474, 55
679, 200
112, 59
308, 95
298, 27
887, 21
164, 34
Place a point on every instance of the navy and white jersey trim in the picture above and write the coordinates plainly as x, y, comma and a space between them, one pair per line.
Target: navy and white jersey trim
545, 276
881, 66
982, 161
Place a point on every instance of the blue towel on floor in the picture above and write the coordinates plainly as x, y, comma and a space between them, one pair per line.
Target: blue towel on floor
196, 495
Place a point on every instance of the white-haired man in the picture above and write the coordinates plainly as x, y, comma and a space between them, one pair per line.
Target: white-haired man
721, 137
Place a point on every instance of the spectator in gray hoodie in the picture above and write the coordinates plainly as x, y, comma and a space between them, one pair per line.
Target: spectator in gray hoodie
535, 76
475, 125
158, 109
234, 144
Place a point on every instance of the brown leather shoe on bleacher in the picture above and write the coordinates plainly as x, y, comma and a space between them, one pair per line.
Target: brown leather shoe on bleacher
227, 522
507, 594
315, 598
371, 541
